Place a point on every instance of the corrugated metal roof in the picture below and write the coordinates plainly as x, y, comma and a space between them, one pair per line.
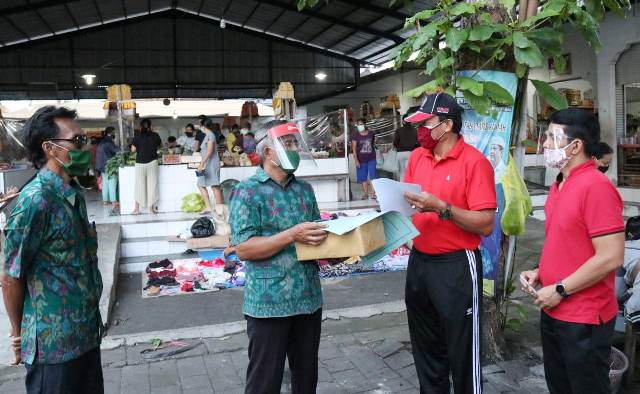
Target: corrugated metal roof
133, 41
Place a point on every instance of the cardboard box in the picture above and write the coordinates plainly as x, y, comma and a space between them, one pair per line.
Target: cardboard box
361, 241
213, 242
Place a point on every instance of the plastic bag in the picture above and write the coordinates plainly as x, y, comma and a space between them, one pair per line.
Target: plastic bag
390, 163
518, 203
192, 203
203, 228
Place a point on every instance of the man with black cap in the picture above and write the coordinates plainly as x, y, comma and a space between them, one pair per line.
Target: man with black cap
444, 289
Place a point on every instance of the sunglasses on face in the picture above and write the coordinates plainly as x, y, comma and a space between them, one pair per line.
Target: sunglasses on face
430, 127
79, 141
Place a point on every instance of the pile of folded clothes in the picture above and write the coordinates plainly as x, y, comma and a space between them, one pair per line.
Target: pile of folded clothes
161, 278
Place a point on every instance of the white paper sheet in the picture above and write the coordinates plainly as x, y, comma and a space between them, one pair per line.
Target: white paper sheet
390, 197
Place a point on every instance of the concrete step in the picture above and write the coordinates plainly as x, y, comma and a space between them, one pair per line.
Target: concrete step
150, 246
160, 228
131, 265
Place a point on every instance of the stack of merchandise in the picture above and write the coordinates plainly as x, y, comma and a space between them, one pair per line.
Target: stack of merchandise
397, 260
192, 276
161, 279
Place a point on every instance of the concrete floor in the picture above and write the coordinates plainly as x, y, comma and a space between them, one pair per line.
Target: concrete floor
133, 314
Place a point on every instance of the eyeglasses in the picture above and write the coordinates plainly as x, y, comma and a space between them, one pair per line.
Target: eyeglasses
434, 126
79, 141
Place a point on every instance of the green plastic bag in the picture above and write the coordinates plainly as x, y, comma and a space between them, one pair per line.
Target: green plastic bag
518, 203
192, 203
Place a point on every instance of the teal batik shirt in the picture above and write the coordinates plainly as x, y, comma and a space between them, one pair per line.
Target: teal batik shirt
279, 286
50, 243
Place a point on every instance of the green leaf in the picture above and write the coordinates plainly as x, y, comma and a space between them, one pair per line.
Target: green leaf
422, 15
514, 324
522, 311
425, 34
433, 63
473, 46
521, 70
428, 87
559, 64
446, 62
549, 9
480, 104
548, 39
508, 4
550, 95
482, 32
613, 6
466, 83
462, 8
595, 8
520, 41
497, 93
456, 37
530, 56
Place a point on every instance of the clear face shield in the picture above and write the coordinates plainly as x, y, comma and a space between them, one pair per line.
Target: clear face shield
555, 147
289, 144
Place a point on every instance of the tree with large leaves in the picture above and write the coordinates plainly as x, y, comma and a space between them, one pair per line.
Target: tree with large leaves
495, 35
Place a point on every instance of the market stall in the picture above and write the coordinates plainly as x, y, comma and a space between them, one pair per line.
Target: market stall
329, 175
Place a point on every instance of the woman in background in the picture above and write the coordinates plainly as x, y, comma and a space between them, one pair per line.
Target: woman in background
146, 144
106, 150
209, 167
362, 145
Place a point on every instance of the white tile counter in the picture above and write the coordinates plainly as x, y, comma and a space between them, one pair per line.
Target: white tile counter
330, 181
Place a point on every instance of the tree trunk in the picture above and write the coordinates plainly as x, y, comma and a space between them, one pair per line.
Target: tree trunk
493, 319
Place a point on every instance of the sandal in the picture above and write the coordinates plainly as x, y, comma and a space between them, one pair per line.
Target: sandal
365, 197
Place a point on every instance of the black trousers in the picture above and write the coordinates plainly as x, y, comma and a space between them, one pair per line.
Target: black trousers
271, 340
576, 356
82, 375
444, 301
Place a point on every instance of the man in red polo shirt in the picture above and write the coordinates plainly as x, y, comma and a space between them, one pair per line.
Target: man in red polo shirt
584, 245
444, 289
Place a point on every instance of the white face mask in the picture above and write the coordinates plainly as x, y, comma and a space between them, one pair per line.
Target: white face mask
360, 127
244, 131
557, 158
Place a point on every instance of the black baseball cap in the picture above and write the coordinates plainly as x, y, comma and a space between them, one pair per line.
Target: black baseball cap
435, 104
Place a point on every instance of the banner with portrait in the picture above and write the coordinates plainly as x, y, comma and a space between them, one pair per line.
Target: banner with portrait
491, 135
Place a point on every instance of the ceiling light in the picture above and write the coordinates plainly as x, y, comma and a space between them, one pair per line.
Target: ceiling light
320, 76
223, 23
88, 78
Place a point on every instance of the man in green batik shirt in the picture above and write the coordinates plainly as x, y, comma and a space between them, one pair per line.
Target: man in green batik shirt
51, 284
282, 298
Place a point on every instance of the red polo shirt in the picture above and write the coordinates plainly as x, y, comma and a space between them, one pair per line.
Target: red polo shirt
464, 179
587, 206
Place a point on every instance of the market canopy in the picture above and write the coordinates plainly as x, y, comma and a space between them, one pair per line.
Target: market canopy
177, 48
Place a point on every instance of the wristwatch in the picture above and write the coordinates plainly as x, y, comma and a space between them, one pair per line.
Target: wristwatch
445, 214
560, 290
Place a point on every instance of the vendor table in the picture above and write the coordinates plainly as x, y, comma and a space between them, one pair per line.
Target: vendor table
329, 179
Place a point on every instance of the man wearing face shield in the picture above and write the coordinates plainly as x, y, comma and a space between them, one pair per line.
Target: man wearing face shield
444, 277
52, 285
583, 247
283, 298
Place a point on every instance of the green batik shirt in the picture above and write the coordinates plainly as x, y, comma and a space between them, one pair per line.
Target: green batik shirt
50, 243
281, 285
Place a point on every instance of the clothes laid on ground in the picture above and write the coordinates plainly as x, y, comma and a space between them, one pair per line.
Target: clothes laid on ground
191, 276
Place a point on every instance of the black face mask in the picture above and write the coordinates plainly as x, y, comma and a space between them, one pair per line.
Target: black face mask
603, 169
189, 134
